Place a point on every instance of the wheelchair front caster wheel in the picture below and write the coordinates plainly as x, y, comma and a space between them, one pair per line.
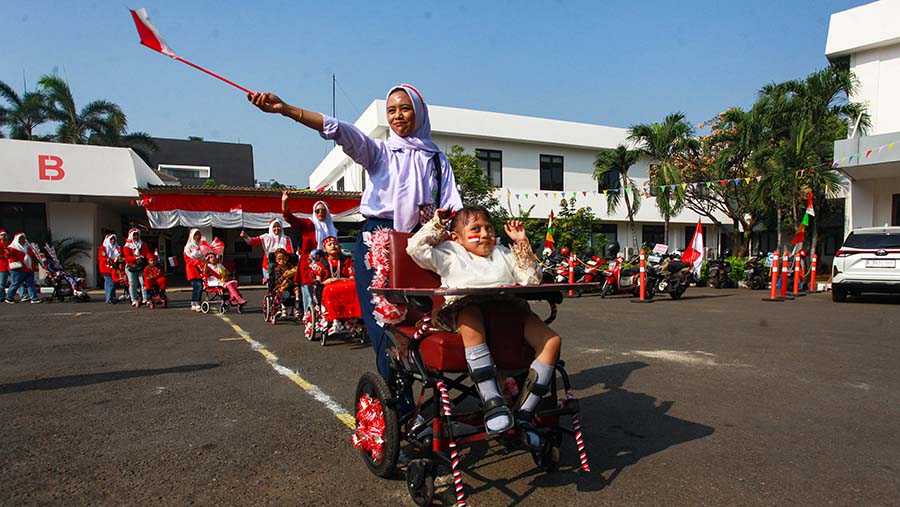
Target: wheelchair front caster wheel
420, 481
204, 307
547, 459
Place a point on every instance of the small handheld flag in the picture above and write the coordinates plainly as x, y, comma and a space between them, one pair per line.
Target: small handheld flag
151, 38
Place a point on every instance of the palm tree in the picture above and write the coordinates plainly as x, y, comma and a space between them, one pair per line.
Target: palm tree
23, 114
99, 122
663, 142
618, 161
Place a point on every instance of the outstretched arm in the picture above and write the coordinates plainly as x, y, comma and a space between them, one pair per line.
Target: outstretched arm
271, 103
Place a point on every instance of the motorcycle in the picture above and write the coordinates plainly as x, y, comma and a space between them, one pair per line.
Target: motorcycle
755, 272
720, 273
618, 279
588, 269
672, 276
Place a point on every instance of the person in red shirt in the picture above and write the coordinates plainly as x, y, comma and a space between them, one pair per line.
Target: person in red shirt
270, 242
136, 253
22, 262
4, 262
334, 273
193, 266
312, 232
154, 277
107, 254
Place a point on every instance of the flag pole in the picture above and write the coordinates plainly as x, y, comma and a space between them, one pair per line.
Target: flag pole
213, 74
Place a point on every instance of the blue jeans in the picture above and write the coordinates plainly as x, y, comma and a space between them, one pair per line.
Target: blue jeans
23, 279
196, 290
306, 292
109, 287
4, 279
363, 276
136, 285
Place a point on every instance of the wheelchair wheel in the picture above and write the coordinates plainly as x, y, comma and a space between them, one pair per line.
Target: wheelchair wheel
548, 459
240, 308
267, 308
377, 428
204, 307
309, 323
420, 481
223, 309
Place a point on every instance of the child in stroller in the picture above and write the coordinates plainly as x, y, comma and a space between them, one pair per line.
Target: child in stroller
283, 293
65, 285
335, 306
120, 278
155, 283
217, 280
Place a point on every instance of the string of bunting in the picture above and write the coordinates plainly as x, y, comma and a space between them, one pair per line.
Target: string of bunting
707, 184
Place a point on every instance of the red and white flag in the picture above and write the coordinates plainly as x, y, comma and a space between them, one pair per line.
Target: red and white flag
149, 34
693, 254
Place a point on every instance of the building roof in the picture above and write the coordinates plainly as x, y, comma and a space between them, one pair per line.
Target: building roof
865, 27
249, 191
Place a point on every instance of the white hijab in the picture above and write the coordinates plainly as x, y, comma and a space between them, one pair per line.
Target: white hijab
134, 245
22, 248
112, 251
272, 241
192, 247
324, 228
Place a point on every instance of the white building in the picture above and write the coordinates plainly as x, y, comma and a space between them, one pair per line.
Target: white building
533, 162
866, 40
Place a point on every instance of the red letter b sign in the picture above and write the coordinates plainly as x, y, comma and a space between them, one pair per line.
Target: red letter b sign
50, 168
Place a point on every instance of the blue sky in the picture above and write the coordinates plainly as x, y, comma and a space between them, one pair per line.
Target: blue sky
613, 63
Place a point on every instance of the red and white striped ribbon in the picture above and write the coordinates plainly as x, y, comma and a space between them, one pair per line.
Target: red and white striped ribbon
579, 439
424, 329
454, 454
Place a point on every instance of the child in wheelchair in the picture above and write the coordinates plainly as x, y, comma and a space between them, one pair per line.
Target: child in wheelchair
461, 248
335, 289
283, 289
155, 283
217, 279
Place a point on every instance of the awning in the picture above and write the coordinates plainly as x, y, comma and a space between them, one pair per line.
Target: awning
237, 208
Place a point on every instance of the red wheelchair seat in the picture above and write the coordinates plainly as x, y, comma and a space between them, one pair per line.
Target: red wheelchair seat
444, 351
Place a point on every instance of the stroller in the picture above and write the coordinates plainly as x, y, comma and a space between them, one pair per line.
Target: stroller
436, 360
334, 311
217, 297
66, 287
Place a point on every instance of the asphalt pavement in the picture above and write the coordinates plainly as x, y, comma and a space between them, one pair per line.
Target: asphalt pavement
717, 399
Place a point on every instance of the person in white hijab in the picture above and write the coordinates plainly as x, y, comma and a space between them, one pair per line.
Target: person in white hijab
323, 223
136, 253
271, 241
194, 261
23, 261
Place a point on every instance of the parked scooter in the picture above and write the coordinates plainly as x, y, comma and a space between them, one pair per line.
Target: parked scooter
620, 280
720, 272
755, 272
672, 276
589, 268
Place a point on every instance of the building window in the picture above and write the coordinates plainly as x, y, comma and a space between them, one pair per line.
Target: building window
492, 163
551, 172
185, 171
339, 186
609, 181
653, 234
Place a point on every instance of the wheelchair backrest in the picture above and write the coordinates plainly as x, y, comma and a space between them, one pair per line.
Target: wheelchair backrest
405, 273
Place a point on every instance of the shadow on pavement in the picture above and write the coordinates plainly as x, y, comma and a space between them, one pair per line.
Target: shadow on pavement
49, 384
620, 428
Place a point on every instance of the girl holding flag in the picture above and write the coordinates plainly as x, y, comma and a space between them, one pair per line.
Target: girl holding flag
409, 178
270, 242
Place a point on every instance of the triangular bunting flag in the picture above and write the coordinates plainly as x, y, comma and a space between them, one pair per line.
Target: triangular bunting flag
868, 153
758, 179
747, 180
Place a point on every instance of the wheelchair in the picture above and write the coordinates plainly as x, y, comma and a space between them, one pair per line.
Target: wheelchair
272, 307
318, 324
219, 299
448, 411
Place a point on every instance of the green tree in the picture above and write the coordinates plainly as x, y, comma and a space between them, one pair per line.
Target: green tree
22, 114
574, 226
618, 161
664, 142
99, 122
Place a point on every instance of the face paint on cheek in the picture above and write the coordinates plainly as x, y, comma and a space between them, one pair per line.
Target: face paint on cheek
473, 239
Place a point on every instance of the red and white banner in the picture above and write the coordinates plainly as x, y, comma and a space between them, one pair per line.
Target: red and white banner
149, 34
165, 211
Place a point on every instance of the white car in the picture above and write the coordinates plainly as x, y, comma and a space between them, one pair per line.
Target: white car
869, 261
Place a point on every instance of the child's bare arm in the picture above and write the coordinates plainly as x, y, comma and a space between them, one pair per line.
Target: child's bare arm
526, 271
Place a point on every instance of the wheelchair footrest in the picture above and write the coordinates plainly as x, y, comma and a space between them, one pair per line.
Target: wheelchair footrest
571, 408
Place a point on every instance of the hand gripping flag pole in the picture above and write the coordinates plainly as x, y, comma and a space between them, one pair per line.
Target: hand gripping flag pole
151, 38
